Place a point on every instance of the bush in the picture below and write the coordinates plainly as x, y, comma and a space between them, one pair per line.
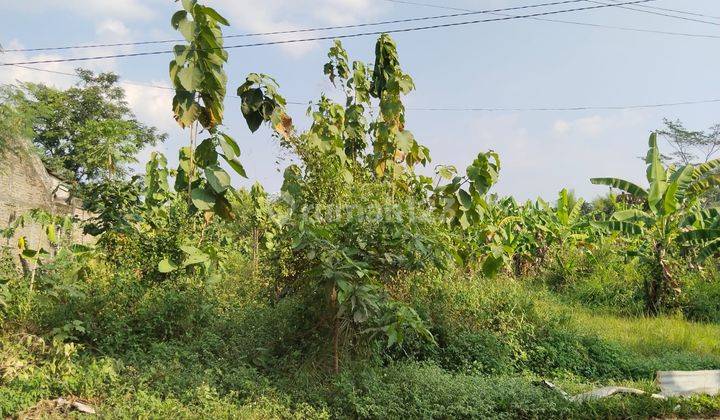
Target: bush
600, 279
422, 390
702, 298
496, 327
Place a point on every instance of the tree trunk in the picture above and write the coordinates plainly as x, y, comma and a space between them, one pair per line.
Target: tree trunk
256, 249
661, 284
336, 330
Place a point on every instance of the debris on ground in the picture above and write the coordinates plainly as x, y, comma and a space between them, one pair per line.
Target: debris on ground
599, 393
57, 406
678, 383
673, 383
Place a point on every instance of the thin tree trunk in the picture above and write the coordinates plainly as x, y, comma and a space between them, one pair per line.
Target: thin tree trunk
336, 345
256, 240
336, 330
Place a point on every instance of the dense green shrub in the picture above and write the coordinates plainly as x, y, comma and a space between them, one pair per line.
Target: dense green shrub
599, 278
702, 296
412, 390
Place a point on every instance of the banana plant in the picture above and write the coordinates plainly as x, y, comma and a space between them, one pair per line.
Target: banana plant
564, 223
705, 233
671, 198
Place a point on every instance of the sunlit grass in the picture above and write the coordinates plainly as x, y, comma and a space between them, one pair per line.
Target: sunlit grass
648, 336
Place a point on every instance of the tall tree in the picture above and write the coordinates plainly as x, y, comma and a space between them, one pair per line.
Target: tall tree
690, 147
87, 133
693, 147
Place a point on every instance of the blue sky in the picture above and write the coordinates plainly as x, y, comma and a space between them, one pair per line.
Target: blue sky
516, 64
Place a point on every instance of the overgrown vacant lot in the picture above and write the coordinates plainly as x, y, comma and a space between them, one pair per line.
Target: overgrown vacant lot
371, 285
221, 350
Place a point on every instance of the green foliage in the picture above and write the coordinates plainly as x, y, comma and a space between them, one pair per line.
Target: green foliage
670, 201
352, 255
197, 69
14, 124
426, 391
200, 86
702, 301
116, 205
361, 290
261, 102
392, 144
86, 133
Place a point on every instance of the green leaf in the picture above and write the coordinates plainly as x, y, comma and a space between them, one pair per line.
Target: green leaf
218, 179
252, 99
483, 172
446, 171
563, 213
178, 17
181, 53
709, 250
404, 141
209, 11
492, 265
698, 236
187, 29
618, 226
656, 175
190, 77
30, 254
705, 168
236, 165
202, 199
205, 154
185, 108
173, 70
194, 255
700, 182
621, 184
675, 192
51, 234
223, 208
189, 5
465, 199
229, 147
633, 215
166, 266
576, 211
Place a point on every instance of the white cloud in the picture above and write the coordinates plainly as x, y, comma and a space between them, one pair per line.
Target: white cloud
596, 125
538, 160
342, 12
152, 106
113, 29
561, 127
14, 74
280, 15
130, 9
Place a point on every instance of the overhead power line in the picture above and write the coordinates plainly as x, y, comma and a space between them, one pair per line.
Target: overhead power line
572, 108
682, 12
340, 36
124, 82
569, 22
657, 13
460, 109
304, 30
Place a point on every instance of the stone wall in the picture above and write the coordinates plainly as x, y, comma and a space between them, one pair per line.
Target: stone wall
25, 184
